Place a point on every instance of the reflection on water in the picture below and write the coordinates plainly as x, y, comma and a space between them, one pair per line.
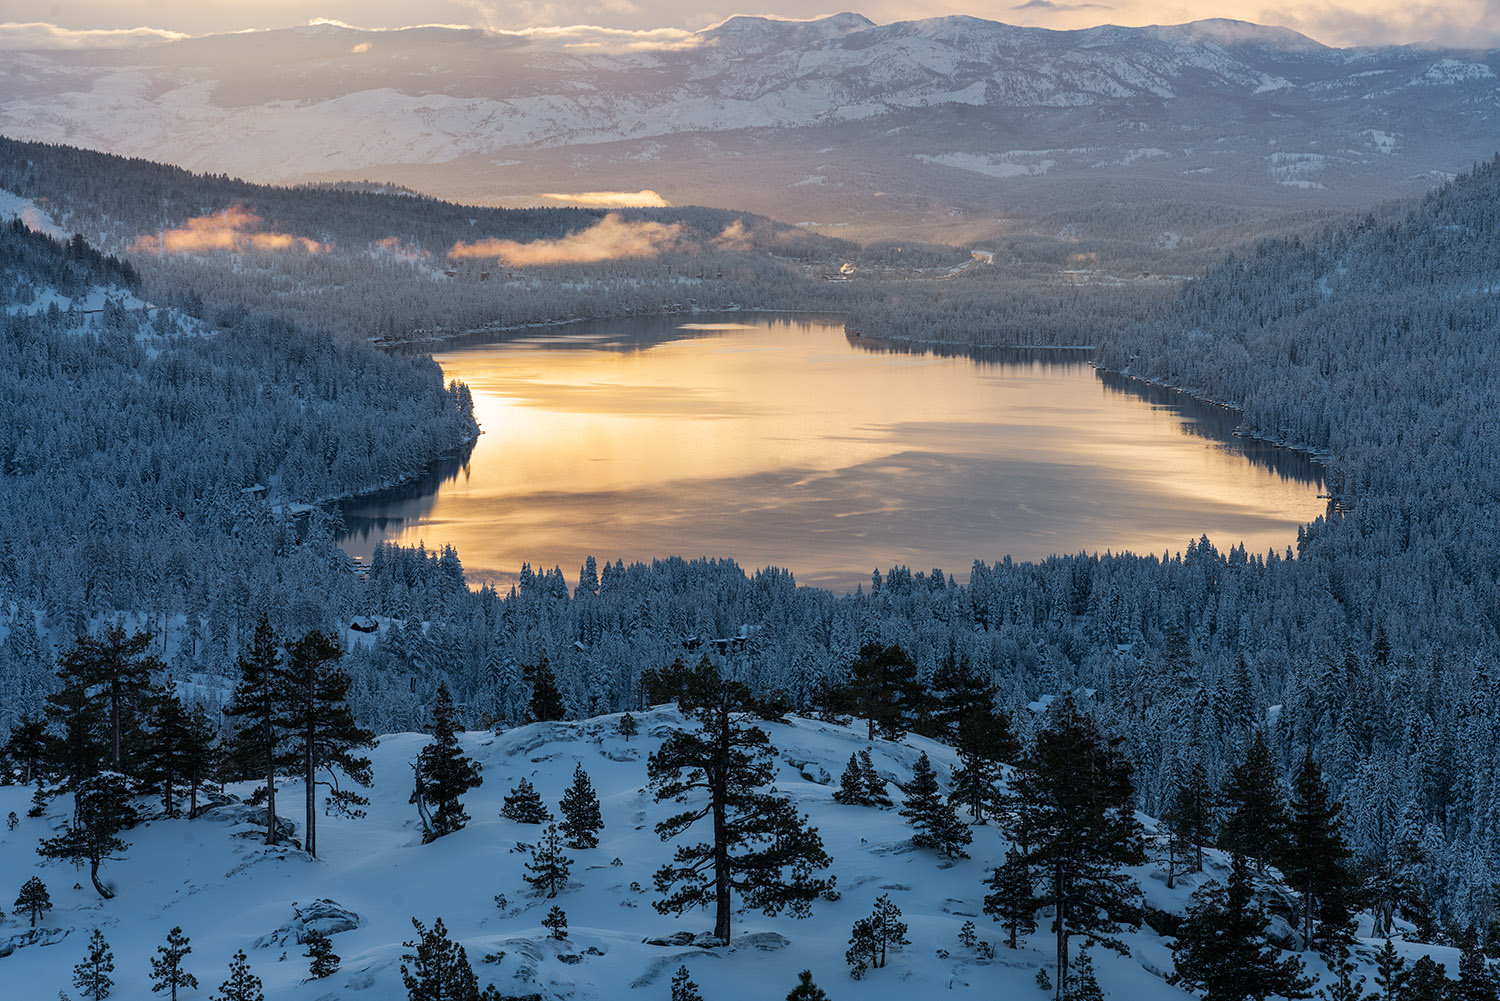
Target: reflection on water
780, 441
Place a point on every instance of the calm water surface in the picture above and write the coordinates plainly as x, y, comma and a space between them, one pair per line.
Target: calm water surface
779, 441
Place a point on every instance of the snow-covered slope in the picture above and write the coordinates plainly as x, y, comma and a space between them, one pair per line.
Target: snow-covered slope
215, 879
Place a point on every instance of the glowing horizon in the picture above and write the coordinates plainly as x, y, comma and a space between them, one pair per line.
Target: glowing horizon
1463, 24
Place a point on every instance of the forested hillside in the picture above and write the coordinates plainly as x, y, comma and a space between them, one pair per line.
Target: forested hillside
1373, 646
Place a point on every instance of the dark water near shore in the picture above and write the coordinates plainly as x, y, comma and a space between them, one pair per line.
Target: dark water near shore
778, 440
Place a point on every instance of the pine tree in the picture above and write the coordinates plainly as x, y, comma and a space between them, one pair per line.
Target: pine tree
1014, 902
582, 821
1476, 982
1075, 819
628, 727
549, 868
92, 976
1190, 815
556, 922
1315, 860
1256, 821
1390, 973
323, 962
883, 689
443, 774
873, 937
1427, 980
760, 846
806, 990
851, 790
241, 984
439, 969
33, 899
1222, 949
1344, 986
937, 826
966, 717
255, 744
546, 700
101, 809
25, 749
683, 988
167, 973
119, 668
523, 804
167, 759
875, 793
1083, 985
321, 734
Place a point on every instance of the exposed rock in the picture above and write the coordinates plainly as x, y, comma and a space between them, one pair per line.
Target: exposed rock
31, 936
324, 916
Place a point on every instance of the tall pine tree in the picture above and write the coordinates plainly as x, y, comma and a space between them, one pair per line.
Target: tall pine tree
321, 735
1256, 821
760, 846
926, 809
1315, 860
167, 973
582, 820
1075, 818
256, 706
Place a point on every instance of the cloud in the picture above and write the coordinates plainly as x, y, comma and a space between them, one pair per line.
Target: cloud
643, 199
610, 239
236, 229
38, 35
736, 236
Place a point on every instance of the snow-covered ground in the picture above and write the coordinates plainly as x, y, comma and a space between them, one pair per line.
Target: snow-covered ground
228, 891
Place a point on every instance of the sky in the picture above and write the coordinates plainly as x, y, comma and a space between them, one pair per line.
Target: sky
1464, 23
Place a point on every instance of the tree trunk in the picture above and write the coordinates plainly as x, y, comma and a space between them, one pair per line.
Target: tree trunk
114, 723
270, 786
312, 790
98, 886
1061, 920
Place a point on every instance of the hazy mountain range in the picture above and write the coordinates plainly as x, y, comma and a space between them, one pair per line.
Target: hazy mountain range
945, 126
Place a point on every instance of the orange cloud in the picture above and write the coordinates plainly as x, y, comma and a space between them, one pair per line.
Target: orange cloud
231, 229
610, 239
397, 249
643, 199
736, 236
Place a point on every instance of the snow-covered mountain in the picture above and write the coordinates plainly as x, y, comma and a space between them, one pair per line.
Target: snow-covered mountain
950, 121
215, 879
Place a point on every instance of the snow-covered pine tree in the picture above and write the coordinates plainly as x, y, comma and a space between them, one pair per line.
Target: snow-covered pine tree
628, 727
548, 870
33, 899
523, 804
92, 976
443, 774
874, 785
241, 984
322, 960
929, 812
582, 821
167, 973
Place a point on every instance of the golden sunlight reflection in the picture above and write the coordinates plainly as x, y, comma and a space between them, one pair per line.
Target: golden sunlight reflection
775, 441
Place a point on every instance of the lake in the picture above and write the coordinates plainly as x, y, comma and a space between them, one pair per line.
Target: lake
775, 439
